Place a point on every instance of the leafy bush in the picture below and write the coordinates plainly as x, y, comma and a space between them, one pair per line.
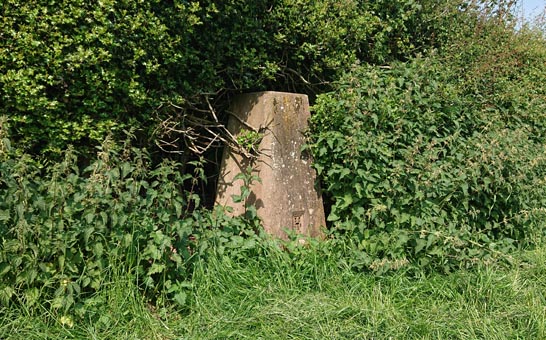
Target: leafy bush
438, 160
63, 231
72, 73
419, 169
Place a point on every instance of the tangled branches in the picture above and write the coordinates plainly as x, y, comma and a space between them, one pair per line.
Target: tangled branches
196, 130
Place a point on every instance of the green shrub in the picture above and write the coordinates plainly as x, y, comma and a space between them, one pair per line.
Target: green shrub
419, 169
72, 72
62, 230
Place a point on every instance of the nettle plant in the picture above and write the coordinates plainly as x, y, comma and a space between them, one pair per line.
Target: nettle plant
420, 173
63, 232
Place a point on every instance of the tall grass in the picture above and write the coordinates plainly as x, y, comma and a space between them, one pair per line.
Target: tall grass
118, 310
308, 293
279, 298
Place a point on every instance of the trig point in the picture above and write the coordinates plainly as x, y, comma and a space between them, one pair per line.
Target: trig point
287, 197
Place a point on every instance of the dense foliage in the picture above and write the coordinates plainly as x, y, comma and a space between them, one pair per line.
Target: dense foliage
64, 231
74, 72
442, 159
428, 135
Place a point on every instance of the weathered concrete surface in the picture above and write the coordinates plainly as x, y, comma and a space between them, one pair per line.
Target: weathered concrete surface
287, 197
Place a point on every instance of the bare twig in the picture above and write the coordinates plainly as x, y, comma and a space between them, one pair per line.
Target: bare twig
248, 126
198, 134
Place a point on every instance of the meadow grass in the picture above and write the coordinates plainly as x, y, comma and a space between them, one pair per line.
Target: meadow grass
311, 295
278, 299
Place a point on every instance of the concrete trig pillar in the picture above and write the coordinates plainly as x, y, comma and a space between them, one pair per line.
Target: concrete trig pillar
287, 197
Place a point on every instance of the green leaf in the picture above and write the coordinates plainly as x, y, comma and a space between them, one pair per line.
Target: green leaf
156, 268
180, 298
332, 217
4, 215
4, 268
420, 245
98, 249
344, 173
237, 198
